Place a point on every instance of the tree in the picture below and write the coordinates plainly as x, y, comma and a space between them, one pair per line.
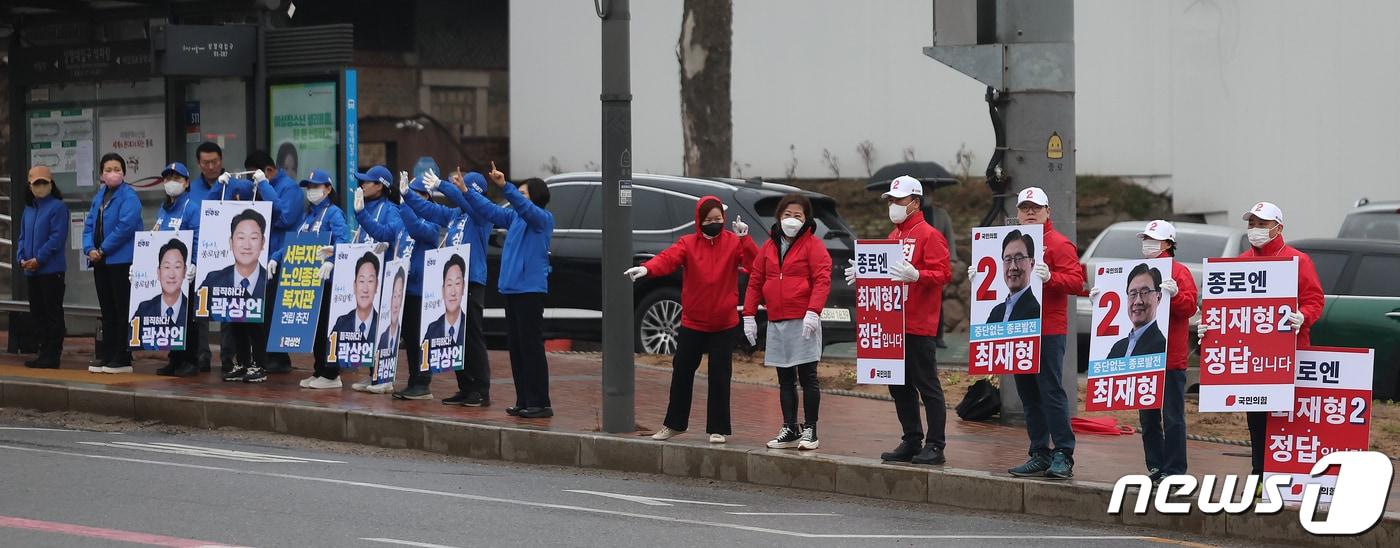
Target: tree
704, 52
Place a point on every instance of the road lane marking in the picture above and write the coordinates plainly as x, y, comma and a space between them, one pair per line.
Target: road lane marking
650, 501
32, 429
407, 543
132, 537
196, 451
584, 509
780, 514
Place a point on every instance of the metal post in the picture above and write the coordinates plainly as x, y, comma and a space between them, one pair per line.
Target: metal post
259, 129
618, 369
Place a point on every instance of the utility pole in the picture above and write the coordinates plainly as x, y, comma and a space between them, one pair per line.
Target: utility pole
1024, 50
619, 413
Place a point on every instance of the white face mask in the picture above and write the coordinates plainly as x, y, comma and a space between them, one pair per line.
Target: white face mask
898, 213
1151, 248
174, 188
791, 226
1259, 236
315, 195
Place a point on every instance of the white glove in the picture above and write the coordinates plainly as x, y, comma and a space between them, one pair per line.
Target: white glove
431, 180
636, 272
971, 273
740, 227
327, 251
189, 276
1042, 272
851, 273
904, 271
225, 177
811, 324
259, 176
403, 182
271, 267
326, 270
751, 330
129, 277
1296, 319
1094, 294
1169, 288
1202, 328
381, 247
359, 199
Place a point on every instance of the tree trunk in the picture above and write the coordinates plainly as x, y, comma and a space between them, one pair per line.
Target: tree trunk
704, 55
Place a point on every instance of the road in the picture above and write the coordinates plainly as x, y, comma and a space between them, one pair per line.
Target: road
66, 487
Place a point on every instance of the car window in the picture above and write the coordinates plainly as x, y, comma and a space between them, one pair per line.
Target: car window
830, 226
564, 199
1329, 266
1194, 248
656, 210
1120, 243
1375, 276
1372, 225
592, 215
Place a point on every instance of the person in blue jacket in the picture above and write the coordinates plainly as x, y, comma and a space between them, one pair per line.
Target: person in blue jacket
210, 161
286, 217
474, 379
376, 205
181, 211
425, 237
108, 234
43, 234
244, 345
524, 281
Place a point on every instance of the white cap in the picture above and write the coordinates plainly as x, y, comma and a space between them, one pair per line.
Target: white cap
1034, 195
1266, 211
1159, 230
902, 186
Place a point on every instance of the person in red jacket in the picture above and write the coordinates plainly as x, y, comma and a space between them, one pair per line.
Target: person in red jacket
791, 277
1042, 396
711, 259
1164, 430
925, 269
1265, 234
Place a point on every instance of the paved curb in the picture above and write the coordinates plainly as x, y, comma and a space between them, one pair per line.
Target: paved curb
976, 490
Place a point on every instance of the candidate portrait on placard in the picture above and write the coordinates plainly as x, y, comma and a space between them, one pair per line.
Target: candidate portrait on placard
171, 302
1144, 303
390, 335
1018, 258
364, 318
247, 242
449, 324
159, 306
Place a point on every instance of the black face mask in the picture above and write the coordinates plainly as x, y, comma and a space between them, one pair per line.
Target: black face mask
712, 229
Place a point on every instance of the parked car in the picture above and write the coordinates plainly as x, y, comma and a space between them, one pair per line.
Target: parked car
663, 210
1119, 242
1363, 302
1372, 221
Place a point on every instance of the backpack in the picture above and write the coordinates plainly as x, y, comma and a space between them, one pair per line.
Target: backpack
982, 402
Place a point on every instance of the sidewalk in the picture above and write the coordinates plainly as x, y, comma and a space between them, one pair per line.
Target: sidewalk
857, 429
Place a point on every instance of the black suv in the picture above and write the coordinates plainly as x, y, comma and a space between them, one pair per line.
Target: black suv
663, 210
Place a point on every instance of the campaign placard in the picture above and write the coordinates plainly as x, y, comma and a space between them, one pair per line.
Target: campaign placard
1248, 349
1004, 336
1331, 411
232, 272
880, 303
297, 304
444, 313
354, 309
391, 295
1128, 345
159, 290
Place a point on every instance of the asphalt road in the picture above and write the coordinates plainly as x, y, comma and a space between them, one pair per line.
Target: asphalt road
64, 487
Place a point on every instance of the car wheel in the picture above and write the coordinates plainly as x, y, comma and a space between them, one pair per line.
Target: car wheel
658, 319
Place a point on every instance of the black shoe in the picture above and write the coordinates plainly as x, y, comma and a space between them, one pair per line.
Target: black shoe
32, 363
168, 370
514, 410
939, 343
930, 455
809, 439
228, 368
788, 438
414, 393
204, 367
255, 374
536, 413
40, 363
235, 374
477, 400
185, 370
1061, 466
1033, 468
903, 453
455, 399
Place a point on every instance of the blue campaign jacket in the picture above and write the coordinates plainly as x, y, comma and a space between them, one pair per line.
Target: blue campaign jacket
529, 228
425, 237
119, 224
462, 227
380, 222
182, 213
199, 186
43, 235
322, 218
286, 209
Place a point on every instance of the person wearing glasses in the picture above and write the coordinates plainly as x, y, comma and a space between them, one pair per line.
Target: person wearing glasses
1144, 292
1017, 258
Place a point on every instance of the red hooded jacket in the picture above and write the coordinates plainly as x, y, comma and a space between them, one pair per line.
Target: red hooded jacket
1182, 307
927, 250
793, 284
1310, 299
1066, 278
710, 285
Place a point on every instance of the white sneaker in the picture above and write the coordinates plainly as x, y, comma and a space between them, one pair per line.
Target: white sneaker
306, 382
94, 369
384, 388
327, 384
126, 369
716, 438
666, 433
360, 386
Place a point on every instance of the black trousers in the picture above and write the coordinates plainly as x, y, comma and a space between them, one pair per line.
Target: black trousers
226, 345
920, 384
193, 337
321, 347
1258, 422
475, 375
249, 343
525, 337
278, 359
114, 298
202, 353
46, 311
409, 331
788, 377
690, 346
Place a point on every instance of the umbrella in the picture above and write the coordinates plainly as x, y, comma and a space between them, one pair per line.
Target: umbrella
929, 174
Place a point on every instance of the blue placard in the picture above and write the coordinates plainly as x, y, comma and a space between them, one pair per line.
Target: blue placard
298, 300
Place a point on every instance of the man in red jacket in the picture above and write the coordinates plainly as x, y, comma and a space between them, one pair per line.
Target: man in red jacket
1265, 234
925, 269
1042, 396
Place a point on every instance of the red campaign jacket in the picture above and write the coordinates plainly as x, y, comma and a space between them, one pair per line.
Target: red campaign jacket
710, 284
790, 285
1182, 307
1310, 299
927, 250
1066, 278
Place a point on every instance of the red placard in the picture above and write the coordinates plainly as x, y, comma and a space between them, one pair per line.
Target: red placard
1331, 412
1248, 349
880, 303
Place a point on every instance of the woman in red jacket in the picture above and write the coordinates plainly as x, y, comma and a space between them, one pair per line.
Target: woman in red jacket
711, 258
791, 277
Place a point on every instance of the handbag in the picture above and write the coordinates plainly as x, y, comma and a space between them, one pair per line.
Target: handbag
982, 401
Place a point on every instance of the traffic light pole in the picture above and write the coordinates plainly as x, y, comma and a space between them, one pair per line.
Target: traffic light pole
619, 379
